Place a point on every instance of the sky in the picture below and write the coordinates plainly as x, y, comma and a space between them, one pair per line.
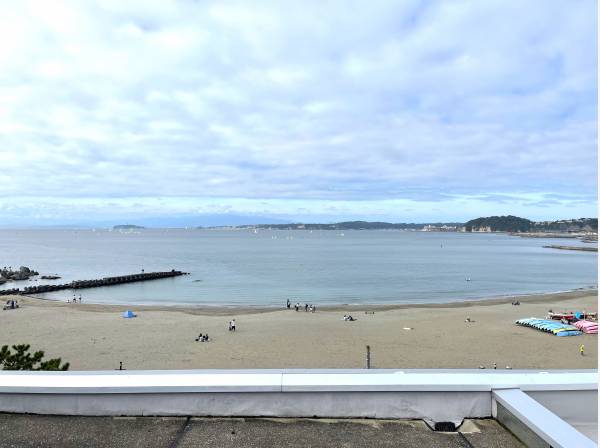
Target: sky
238, 112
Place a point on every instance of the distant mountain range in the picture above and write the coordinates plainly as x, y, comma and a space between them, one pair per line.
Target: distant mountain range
170, 221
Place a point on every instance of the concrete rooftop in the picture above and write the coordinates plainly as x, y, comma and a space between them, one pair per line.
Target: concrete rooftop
170, 432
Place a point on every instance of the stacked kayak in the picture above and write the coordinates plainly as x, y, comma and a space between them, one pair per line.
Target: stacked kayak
587, 326
550, 326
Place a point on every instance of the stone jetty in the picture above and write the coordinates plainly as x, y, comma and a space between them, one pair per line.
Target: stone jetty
582, 248
106, 281
9, 292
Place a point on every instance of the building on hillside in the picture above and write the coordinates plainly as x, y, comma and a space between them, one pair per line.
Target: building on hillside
444, 228
486, 229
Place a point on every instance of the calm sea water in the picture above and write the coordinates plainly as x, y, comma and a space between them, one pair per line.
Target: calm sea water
321, 267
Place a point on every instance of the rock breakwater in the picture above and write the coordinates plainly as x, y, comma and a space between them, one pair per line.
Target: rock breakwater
106, 281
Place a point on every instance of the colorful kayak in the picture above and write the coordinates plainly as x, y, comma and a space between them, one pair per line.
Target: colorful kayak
550, 326
587, 326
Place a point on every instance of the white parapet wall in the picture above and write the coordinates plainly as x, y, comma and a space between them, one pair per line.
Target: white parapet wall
536, 425
578, 408
432, 395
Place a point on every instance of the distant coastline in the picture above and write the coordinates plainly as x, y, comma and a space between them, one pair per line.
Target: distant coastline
569, 228
127, 227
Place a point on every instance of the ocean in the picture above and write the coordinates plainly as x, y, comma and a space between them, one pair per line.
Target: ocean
266, 267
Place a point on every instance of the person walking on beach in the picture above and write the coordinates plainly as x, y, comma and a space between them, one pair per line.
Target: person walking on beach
288, 304
581, 349
296, 306
306, 307
232, 325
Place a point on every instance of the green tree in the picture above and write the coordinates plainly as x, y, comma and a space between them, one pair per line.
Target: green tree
500, 224
21, 359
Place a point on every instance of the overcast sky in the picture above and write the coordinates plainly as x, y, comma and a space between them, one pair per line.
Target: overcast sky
314, 111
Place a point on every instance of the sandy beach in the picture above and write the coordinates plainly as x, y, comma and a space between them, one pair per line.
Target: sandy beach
96, 337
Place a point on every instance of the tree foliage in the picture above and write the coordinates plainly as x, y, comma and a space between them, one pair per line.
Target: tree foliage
21, 359
500, 224
515, 224
565, 225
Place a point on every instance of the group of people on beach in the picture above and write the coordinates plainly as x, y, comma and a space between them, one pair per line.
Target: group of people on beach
206, 338
11, 305
495, 367
348, 318
312, 308
203, 338
75, 299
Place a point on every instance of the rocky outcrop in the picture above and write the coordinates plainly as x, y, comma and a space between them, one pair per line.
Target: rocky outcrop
24, 273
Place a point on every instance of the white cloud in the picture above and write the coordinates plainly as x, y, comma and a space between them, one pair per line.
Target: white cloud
315, 102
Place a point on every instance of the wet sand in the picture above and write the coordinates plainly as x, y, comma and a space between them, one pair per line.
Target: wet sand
96, 337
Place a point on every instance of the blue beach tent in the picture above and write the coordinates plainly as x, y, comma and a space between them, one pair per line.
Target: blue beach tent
128, 314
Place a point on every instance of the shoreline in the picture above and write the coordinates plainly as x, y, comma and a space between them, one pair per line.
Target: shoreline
226, 310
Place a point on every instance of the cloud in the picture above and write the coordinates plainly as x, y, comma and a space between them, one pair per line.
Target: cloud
339, 102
